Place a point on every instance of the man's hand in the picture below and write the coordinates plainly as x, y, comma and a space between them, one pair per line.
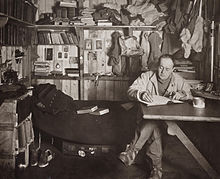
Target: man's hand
146, 96
178, 95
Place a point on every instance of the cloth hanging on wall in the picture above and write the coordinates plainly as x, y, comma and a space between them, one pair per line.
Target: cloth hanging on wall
155, 43
145, 12
130, 46
145, 45
115, 60
177, 16
197, 37
194, 41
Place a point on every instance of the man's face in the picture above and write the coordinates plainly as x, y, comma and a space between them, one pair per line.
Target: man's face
165, 68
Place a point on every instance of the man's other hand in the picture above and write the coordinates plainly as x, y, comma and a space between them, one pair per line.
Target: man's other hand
146, 96
178, 95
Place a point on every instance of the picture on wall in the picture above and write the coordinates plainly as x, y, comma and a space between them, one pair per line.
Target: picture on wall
98, 44
88, 44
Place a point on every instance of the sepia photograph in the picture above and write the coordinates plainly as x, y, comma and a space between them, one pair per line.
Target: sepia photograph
88, 44
109, 89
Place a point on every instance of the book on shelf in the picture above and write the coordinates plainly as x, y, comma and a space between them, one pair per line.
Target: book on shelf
46, 38
64, 37
104, 23
60, 38
69, 36
159, 100
100, 111
41, 38
72, 72
87, 109
55, 38
67, 4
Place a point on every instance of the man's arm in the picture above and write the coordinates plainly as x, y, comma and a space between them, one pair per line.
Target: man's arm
183, 90
139, 87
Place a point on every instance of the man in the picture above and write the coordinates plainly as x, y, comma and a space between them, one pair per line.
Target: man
161, 82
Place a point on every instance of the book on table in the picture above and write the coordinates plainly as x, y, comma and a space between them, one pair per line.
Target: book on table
159, 100
87, 109
100, 111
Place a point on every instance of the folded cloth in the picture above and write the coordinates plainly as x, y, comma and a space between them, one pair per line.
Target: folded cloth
51, 100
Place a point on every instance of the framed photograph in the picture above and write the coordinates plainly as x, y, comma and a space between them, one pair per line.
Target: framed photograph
98, 44
88, 44
66, 49
60, 55
66, 55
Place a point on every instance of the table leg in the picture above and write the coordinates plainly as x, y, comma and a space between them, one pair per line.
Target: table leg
174, 129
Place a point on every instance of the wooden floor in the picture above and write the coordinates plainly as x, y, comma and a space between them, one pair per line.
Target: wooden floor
177, 164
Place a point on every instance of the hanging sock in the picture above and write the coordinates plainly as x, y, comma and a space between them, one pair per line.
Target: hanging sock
145, 45
185, 37
197, 37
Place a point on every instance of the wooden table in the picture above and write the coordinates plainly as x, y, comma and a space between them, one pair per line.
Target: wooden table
186, 112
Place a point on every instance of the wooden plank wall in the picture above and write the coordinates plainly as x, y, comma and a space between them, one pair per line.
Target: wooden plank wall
105, 90
69, 87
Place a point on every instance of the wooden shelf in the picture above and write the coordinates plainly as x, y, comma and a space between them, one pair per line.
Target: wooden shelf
67, 27
119, 27
56, 77
17, 20
53, 27
106, 77
85, 77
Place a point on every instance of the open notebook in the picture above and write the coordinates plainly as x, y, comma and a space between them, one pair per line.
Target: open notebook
160, 100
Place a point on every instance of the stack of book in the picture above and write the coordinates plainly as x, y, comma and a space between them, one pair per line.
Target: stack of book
72, 72
94, 110
104, 22
68, 4
41, 68
86, 20
184, 66
86, 16
65, 10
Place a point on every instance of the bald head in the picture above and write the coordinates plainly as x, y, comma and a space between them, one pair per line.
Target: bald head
165, 67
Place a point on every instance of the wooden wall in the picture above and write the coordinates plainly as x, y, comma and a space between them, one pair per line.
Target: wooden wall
69, 87
106, 90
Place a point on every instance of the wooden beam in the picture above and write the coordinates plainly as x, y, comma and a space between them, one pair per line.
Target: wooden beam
174, 129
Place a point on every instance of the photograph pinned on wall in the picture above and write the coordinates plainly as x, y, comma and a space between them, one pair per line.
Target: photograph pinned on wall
66, 49
66, 55
92, 62
98, 44
59, 55
94, 34
88, 44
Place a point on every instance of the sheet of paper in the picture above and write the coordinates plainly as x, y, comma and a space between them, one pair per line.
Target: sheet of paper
159, 100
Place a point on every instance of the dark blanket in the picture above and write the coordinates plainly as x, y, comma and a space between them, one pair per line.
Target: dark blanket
115, 127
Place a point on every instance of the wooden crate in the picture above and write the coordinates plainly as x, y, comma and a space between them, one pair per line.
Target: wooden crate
8, 140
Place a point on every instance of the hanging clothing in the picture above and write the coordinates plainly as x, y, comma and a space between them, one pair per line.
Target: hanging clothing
130, 46
194, 41
145, 45
177, 16
155, 43
197, 37
146, 10
118, 65
185, 36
